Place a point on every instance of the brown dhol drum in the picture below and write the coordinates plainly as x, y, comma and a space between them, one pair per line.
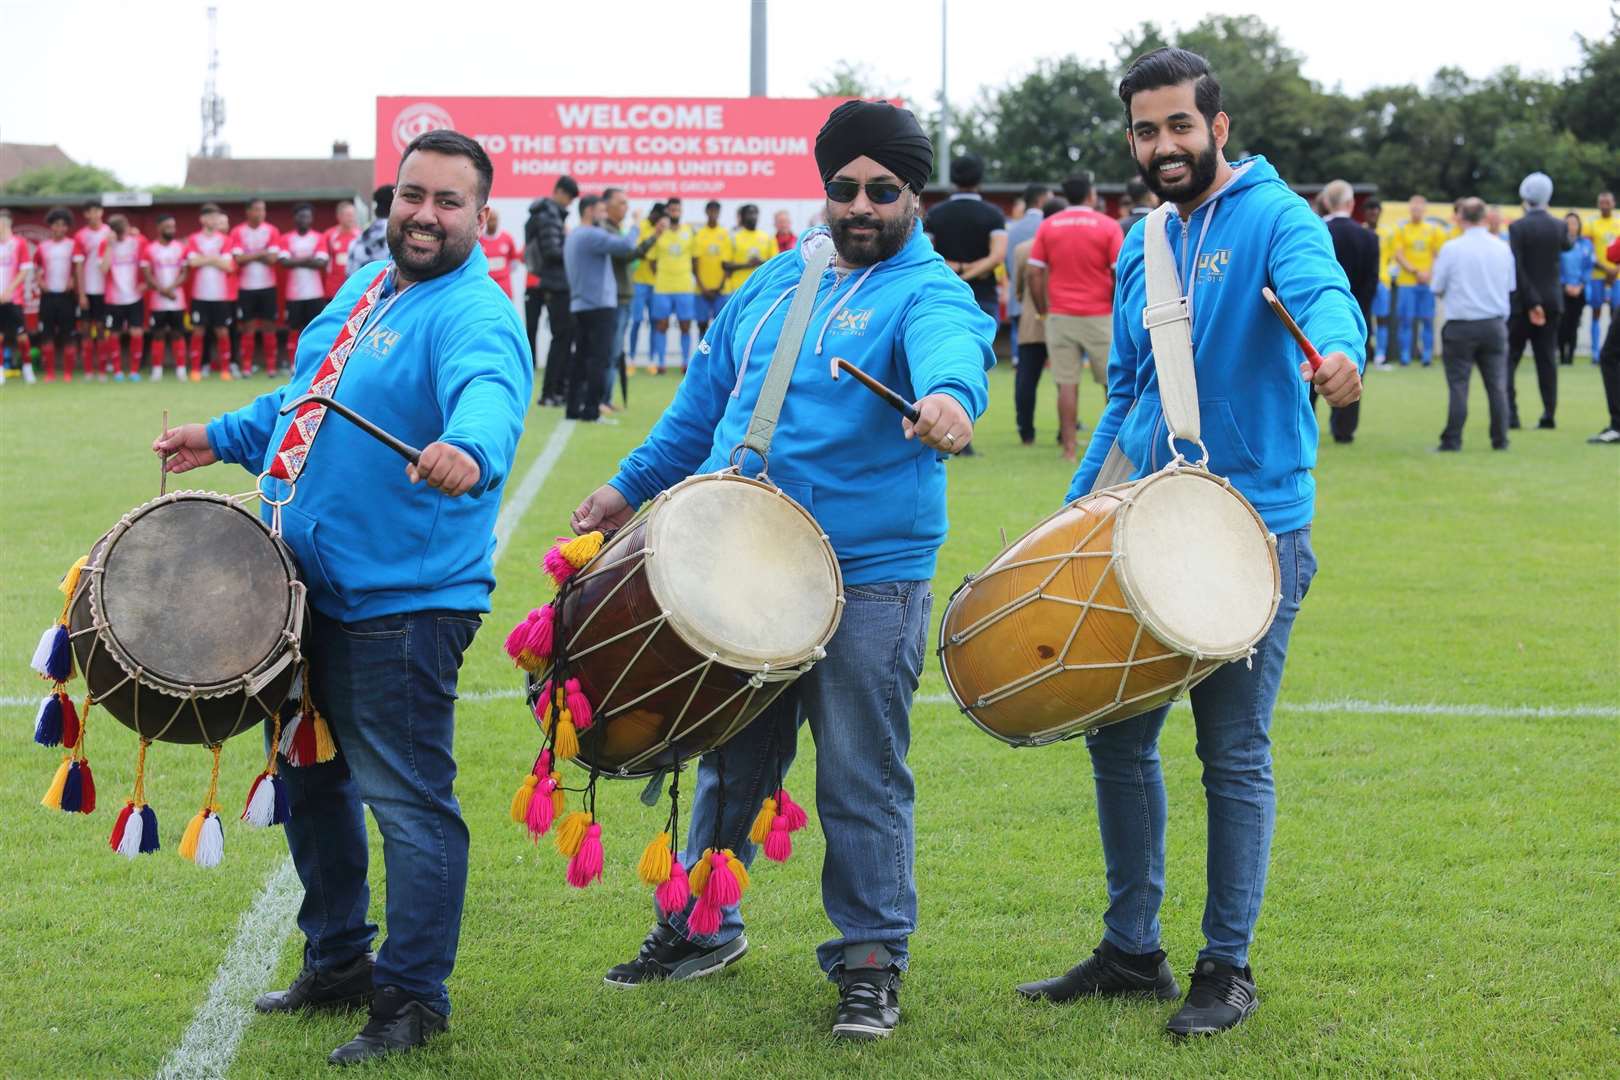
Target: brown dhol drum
186, 620
693, 618
1110, 607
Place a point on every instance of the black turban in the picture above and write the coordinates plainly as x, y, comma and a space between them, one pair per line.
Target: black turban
875, 129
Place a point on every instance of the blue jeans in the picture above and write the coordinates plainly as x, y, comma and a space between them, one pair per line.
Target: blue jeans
858, 704
1414, 303
1380, 310
621, 323
387, 688
1232, 716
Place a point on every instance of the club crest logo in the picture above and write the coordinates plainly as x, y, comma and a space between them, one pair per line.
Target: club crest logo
419, 119
1212, 266
382, 340
849, 321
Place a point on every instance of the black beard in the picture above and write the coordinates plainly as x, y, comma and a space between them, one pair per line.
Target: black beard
1199, 177
453, 251
891, 236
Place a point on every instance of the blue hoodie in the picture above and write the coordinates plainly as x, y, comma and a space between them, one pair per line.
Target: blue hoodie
1254, 407
838, 450
445, 361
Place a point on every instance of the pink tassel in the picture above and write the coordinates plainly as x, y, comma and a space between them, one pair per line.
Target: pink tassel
542, 701
705, 915
722, 886
558, 566
529, 643
542, 810
796, 817
672, 895
586, 865
542, 764
779, 844
579, 706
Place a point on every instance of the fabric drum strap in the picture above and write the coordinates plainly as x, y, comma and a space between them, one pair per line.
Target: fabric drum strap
762, 425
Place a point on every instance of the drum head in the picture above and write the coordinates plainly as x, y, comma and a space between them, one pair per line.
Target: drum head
1198, 566
743, 572
195, 591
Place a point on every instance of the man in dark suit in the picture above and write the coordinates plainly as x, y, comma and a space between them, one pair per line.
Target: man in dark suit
1356, 248
1537, 240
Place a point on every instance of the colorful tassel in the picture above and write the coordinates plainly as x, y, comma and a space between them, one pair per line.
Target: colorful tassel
564, 737
656, 861
70, 582
126, 833
559, 797
53, 794
529, 643
698, 877
796, 817
117, 836
52, 658
542, 808
586, 864
211, 843
325, 747
579, 706
582, 549
87, 798
72, 727
48, 723
543, 707
738, 871
266, 802
73, 790
520, 800
779, 840
557, 565
571, 833
188, 839
149, 830
705, 917
723, 884
762, 821
674, 894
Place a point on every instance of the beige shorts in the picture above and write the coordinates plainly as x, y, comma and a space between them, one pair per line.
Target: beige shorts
1067, 336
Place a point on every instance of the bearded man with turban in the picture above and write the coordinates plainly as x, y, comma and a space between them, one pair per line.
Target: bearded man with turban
887, 303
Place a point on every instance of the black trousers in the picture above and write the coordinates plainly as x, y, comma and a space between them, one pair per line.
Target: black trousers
1609, 364
1031, 362
532, 306
1466, 344
593, 352
1570, 325
1543, 342
555, 384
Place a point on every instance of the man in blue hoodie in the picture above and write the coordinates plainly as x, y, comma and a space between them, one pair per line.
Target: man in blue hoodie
876, 484
398, 564
1237, 229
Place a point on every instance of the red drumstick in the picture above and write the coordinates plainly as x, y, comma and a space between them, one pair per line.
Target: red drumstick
1312, 357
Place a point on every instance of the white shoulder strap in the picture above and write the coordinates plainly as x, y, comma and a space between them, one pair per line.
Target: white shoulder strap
1169, 325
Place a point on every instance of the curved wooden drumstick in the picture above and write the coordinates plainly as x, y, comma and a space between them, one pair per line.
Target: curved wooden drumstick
403, 449
1312, 357
901, 405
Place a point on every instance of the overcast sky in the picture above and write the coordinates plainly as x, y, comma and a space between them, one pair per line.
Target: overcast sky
124, 92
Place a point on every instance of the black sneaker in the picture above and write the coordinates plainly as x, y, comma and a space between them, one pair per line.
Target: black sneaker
1220, 997
1546, 423
667, 954
1109, 972
868, 1003
347, 987
398, 1023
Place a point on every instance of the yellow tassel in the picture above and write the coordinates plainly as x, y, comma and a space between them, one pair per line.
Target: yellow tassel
565, 739
188, 842
762, 823
53, 794
656, 861
571, 833
70, 580
698, 876
520, 801
559, 797
738, 870
582, 549
325, 748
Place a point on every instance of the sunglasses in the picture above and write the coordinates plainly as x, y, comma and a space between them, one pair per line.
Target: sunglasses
880, 194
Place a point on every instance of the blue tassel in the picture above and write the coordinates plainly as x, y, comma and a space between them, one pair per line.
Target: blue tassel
59, 668
48, 724
73, 790
149, 830
283, 809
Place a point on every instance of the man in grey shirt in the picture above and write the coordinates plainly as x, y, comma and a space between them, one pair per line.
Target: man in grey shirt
593, 302
1475, 276
1035, 196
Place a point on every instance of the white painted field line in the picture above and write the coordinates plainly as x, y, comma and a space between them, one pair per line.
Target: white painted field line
209, 1044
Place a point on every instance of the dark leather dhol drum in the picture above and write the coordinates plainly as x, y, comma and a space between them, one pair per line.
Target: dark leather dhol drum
693, 618
186, 621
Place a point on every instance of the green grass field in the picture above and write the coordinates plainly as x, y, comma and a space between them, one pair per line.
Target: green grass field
1443, 897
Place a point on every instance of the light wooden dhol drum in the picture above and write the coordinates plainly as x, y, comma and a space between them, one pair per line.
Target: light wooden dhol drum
693, 618
1110, 607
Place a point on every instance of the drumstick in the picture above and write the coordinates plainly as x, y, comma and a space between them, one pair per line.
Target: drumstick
904, 407
163, 460
1312, 357
403, 449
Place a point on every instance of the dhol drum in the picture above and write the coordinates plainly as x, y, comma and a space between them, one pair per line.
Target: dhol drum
186, 621
693, 618
1110, 607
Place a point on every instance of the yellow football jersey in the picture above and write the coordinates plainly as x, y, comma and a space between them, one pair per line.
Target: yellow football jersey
745, 244
643, 273
672, 255
1420, 244
713, 251
1386, 252
1602, 231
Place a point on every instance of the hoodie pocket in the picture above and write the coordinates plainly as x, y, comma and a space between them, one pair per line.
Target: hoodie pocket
1141, 435
298, 530
1229, 454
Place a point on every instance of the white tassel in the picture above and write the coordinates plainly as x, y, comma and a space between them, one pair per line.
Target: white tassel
211, 842
289, 730
42, 651
261, 809
129, 845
